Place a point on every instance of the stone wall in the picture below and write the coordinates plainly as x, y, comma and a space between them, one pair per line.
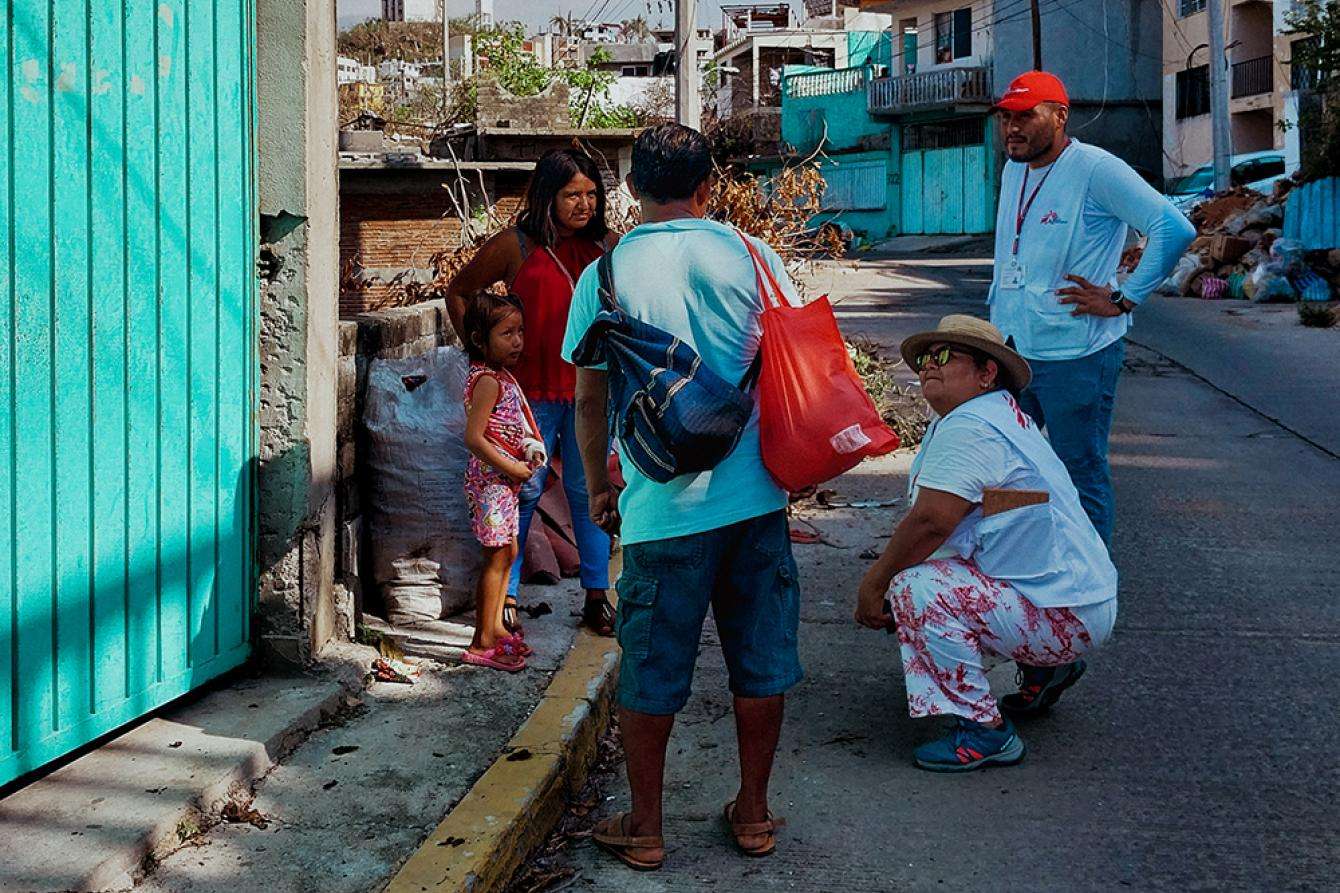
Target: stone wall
546, 110
387, 334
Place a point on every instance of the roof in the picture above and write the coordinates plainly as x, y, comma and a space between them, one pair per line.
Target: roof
424, 163
622, 53
570, 132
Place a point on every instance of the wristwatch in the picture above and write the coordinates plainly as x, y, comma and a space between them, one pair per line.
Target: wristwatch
1123, 303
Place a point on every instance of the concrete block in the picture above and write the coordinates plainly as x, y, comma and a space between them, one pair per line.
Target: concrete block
365, 140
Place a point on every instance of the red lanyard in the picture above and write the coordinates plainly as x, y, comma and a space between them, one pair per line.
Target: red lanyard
1022, 207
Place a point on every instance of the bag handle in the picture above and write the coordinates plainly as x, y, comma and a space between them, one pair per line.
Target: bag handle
608, 297
567, 274
763, 274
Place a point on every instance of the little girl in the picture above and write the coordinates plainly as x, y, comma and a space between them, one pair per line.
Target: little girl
503, 440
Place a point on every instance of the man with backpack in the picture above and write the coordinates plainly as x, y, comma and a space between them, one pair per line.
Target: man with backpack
683, 291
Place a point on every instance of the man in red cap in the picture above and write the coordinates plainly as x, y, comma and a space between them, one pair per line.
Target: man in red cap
1062, 221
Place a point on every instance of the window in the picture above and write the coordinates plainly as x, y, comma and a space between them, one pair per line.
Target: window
1193, 92
635, 71
944, 134
1301, 77
1190, 7
953, 35
1257, 169
909, 29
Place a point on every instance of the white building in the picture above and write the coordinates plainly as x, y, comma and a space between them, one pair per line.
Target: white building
410, 11
351, 71
400, 77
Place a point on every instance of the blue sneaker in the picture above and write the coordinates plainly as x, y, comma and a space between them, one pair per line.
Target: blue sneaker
970, 746
1040, 688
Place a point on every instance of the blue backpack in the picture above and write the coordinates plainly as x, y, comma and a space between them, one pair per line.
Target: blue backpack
671, 414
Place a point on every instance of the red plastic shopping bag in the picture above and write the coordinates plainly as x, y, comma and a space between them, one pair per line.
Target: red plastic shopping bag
816, 420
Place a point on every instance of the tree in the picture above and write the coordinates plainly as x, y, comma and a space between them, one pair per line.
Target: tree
1316, 69
635, 29
565, 25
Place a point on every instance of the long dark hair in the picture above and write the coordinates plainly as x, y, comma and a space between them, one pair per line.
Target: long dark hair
483, 311
553, 171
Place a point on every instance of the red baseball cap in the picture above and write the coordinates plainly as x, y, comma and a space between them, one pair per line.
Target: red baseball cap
1030, 88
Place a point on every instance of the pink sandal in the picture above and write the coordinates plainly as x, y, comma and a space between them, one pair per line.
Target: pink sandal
497, 658
519, 643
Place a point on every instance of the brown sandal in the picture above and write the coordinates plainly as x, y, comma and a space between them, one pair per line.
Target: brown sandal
610, 836
767, 830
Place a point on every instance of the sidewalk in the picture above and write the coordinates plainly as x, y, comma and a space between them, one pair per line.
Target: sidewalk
97, 822
330, 784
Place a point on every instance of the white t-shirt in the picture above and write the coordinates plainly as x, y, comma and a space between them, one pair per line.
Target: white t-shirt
964, 456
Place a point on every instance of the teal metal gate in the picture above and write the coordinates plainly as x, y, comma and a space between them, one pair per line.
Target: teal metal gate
948, 178
128, 366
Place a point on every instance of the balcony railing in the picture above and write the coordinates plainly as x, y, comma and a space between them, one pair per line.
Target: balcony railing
826, 83
1253, 77
930, 89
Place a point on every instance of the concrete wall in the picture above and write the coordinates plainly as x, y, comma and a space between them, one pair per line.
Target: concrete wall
1109, 58
983, 41
840, 119
1188, 143
296, 134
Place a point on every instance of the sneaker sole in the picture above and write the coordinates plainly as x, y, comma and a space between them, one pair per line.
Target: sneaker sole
1048, 697
1011, 755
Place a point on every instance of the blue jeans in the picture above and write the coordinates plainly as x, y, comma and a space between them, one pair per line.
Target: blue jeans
557, 421
1072, 400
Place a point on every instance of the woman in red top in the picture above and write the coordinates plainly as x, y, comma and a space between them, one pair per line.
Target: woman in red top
559, 232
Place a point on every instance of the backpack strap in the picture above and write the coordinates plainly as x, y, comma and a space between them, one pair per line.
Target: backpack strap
608, 297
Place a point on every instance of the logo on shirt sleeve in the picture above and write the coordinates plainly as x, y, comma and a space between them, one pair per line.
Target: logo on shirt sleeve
1051, 218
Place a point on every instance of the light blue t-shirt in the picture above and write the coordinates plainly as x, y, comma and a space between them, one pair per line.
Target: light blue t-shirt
1077, 224
694, 279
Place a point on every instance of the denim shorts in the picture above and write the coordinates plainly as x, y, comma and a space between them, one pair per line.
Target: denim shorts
746, 573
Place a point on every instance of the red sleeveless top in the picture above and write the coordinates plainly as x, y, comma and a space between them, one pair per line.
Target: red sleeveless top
545, 289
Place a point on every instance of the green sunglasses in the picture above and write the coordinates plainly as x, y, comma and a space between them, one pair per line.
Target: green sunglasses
940, 356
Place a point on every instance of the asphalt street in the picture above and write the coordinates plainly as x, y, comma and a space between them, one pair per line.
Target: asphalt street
1195, 754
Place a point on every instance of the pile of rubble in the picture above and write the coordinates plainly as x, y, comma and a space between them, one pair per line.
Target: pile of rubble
1240, 253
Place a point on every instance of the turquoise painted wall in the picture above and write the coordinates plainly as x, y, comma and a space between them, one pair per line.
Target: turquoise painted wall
868, 48
128, 366
873, 224
840, 118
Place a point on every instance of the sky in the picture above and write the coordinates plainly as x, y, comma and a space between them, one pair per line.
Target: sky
538, 12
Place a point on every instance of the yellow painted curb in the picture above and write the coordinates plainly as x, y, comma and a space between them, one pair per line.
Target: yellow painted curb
513, 806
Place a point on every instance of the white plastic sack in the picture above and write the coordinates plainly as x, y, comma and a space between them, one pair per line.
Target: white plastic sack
1176, 283
416, 459
415, 593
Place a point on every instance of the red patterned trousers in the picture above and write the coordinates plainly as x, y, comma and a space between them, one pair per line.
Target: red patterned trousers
955, 623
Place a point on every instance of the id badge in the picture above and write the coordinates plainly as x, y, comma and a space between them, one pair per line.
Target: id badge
1012, 276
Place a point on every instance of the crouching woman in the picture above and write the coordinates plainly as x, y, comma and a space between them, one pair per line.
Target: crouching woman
996, 559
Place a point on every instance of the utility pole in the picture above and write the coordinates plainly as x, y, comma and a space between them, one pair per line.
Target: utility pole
1037, 37
688, 102
1223, 141
446, 63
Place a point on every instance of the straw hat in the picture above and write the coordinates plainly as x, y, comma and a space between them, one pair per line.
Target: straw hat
969, 331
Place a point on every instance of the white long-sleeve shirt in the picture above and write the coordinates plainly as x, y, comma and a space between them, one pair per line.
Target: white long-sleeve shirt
1077, 224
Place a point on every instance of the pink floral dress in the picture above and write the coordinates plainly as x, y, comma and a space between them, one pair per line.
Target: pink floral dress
491, 494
